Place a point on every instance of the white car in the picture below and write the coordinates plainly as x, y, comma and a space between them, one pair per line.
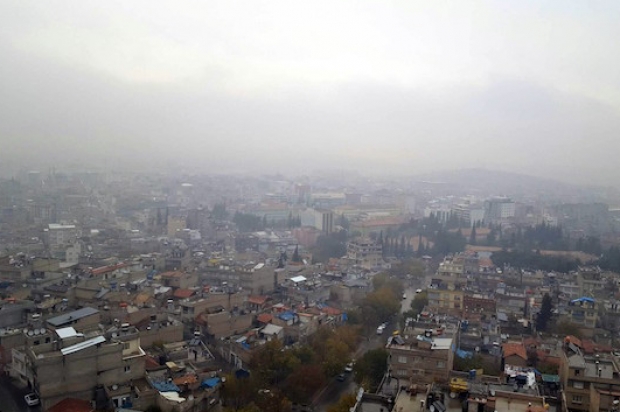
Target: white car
31, 399
349, 367
418, 291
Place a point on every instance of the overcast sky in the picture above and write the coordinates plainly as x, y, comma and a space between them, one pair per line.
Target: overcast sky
293, 86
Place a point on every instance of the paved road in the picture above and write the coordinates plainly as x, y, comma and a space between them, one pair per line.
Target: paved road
334, 391
12, 398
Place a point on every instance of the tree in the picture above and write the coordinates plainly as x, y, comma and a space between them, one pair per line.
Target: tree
472, 237
370, 368
345, 403
296, 257
542, 320
237, 392
304, 382
566, 328
419, 302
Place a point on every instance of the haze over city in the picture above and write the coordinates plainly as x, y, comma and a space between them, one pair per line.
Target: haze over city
276, 86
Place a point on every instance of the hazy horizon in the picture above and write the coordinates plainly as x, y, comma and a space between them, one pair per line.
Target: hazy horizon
269, 86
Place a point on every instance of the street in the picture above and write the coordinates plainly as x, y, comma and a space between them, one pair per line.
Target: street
12, 397
334, 391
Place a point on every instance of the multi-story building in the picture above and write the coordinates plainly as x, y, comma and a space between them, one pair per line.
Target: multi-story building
445, 301
421, 359
498, 210
583, 311
364, 252
590, 383
66, 364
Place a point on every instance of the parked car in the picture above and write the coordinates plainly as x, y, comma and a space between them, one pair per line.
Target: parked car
341, 377
32, 399
349, 368
418, 291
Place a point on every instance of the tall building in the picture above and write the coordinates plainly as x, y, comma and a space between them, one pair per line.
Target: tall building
498, 209
364, 252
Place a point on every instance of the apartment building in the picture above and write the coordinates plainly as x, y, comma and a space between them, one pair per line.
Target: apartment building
590, 382
445, 301
421, 359
583, 311
364, 252
66, 364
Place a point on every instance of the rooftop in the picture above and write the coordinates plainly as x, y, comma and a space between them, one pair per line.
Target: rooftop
71, 316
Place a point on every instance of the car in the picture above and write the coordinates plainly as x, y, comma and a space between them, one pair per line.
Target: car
32, 399
404, 296
349, 368
418, 291
341, 377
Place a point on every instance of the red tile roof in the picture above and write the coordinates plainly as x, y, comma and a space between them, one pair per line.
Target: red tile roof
185, 380
331, 311
176, 274
151, 364
518, 349
72, 405
258, 300
574, 340
183, 293
264, 318
107, 269
590, 347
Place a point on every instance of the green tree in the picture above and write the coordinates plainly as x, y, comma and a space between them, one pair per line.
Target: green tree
472, 237
419, 302
370, 368
304, 382
542, 320
296, 258
345, 403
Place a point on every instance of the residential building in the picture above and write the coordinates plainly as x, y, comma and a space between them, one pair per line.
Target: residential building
63, 364
364, 252
583, 311
590, 383
422, 358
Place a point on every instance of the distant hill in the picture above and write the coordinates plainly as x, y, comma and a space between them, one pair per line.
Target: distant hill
494, 182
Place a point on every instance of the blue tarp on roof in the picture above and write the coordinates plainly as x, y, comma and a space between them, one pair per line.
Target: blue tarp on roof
210, 383
166, 387
345, 317
583, 299
463, 354
245, 345
286, 316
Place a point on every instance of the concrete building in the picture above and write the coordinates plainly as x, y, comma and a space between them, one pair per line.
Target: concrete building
498, 210
590, 383
364, 252
74, 365
421, 359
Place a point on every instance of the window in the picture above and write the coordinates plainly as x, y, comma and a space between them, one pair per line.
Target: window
577, 372
126, 345
127, 368
401, 372
578, 385
441, 364
577, 399
402, 359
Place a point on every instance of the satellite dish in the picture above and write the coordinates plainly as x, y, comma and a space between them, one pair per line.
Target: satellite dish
43, 331
35, 332
114, 387
2, 331
25, 331
30, 333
